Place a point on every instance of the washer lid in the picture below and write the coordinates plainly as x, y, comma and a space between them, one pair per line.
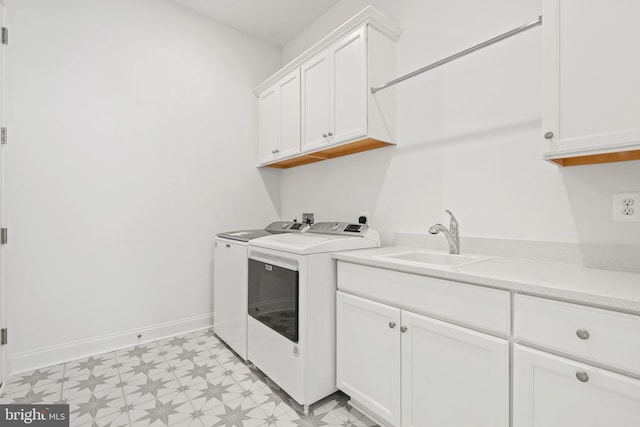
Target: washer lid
244, 235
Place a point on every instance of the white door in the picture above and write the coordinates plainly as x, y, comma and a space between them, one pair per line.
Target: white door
368, 355
230, 294
591, 69
550, 391
315, 102
289, 109
267, 125
452, 376
348, 59
3, 316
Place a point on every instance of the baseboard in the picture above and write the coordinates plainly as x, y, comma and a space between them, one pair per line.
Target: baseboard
43, 357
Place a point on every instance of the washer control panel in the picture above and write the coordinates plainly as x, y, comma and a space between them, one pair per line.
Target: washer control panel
287, 227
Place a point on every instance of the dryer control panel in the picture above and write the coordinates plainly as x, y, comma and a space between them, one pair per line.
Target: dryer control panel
341, 228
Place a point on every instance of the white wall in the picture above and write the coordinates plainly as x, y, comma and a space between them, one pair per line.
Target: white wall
469, 138
132, 144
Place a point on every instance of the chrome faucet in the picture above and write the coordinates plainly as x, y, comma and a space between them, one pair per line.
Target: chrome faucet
451, 234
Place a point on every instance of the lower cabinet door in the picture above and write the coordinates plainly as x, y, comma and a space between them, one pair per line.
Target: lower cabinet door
551, 391
452, 376
368, 355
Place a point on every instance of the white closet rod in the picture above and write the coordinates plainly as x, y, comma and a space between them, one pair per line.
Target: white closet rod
460, 54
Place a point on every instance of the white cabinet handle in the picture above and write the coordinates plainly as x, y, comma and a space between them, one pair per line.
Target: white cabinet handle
583, 334
582, 376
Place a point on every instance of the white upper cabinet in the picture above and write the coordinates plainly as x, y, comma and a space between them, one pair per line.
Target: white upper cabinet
279, 123
289, 108
591, 85
338, 113
334, 92
268, 125
315, 102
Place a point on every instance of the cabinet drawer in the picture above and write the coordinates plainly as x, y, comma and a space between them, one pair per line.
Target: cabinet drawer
602, 336
475, 306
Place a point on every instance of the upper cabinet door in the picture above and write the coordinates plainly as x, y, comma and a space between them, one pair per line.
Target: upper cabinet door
591, 69
315, 102
348, 58
289, 108
268, 125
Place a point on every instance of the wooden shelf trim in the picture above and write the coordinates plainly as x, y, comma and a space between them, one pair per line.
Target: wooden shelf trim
591, 159
330, 153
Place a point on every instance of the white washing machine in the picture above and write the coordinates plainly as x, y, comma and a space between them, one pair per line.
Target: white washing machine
292, 306
230, 281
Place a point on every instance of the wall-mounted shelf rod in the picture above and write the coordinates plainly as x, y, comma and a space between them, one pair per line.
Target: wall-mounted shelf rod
460, 54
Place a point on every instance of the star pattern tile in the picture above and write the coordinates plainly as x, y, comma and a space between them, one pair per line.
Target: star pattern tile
190, 380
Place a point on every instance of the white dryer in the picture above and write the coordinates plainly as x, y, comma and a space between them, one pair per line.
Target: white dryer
292, 306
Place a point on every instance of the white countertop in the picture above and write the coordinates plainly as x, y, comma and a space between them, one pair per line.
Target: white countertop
605, 288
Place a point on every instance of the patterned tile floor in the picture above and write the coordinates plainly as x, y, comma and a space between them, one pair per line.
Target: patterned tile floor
189, 380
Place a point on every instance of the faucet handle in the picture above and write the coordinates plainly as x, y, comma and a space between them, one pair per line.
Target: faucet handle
453, 218
453, 224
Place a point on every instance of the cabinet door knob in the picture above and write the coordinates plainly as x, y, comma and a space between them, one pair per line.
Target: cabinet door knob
582, 376
228, 245
403, 329
583, 334
330, 134
324, 135
392, 325
548, 135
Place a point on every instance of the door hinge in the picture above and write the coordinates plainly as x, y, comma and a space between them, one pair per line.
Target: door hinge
3, 336
3, 236
3, 135
5, 35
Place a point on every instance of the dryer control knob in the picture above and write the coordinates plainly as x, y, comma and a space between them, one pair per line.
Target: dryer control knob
284, 225
335, 226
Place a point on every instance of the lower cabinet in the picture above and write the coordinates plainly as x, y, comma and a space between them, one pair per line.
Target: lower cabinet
368, 355
411, 370
551, 391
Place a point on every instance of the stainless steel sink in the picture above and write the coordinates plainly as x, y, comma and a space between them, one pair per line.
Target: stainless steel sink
431, 258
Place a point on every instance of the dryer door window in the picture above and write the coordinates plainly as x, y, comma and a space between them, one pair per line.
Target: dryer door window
273, 297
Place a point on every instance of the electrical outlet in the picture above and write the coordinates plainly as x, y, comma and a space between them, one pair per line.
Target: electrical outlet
625, 207
308, 217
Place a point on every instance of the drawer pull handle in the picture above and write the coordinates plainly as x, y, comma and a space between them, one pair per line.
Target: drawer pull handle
392, 325
583, 334
582, 376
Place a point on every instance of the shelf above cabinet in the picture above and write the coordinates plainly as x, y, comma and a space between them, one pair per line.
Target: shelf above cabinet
580, 158
330, 153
